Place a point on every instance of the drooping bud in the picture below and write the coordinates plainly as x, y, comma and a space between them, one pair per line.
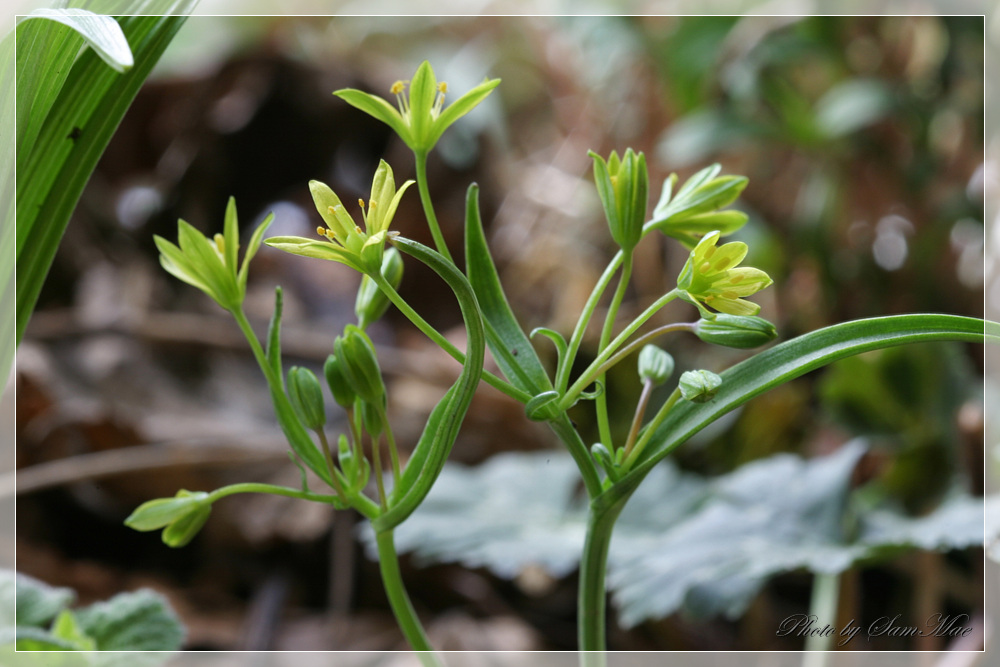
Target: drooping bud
699, 386
740, 331
371, 303
623, 185
655, 365
356, 354
339, 386
181, 516
306, 397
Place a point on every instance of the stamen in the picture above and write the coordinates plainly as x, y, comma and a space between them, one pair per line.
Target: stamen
442, 87
723, 263
220, 243
372, 205
730, 295
398, 88
736, 280
710, 252
705, 267
321, 231
361, 203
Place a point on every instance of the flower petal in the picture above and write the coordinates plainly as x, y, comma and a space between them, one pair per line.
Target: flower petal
309, 248
744, 282
231, 235
331, 210
252, 247
734, 306
423, 89
462, 106
377, 108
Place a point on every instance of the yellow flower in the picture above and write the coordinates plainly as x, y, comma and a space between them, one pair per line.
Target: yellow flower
710, 277
345, 241
422, 117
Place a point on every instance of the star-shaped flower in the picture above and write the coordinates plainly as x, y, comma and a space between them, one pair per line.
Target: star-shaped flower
422, 117
711, 277
345, 241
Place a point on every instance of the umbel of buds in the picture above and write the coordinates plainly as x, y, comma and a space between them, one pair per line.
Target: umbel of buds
306, 396
355, 353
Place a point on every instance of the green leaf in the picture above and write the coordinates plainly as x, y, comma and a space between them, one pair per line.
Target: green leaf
68, 629
788, 361
510, 347
36, 639
137, 621
35, 602
101, 33
442, 426
83, 116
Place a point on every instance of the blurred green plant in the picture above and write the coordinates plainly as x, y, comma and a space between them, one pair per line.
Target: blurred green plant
69, 103
38, 617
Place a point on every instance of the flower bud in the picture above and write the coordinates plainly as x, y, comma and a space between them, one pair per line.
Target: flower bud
339, 386
182, 516
306, 397
623, 185
655, 365
741, 331
356, 355
699, 386
182, 531
371, 303
371, 416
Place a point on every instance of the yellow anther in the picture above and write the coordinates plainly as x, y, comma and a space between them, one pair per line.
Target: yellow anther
442, 87
321, 231
730, 295
220, 243
398, 88
710, 251
705, 267
723, 263
735, 280
372, 205
332, 210
361, 203
358, 229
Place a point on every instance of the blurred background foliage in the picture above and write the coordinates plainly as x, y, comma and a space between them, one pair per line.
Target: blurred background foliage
862, 138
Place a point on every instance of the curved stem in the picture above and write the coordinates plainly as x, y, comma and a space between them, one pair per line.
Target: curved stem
442, 342
393, 453
640, 412
334, 475
566, 363
563, 428
258, 351
591, 621
601, 402
274, 490
631, 456
425, 199
392, 579
569, 397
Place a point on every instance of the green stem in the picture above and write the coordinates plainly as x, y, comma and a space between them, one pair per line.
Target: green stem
563, 428
406, 617
566, 363
377, 465
822, 606
594, 370
601, 402
591, 621
442, 342
338, 487
640, 412
631, 456
393, 453
258, 352
256, 487
425, 199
